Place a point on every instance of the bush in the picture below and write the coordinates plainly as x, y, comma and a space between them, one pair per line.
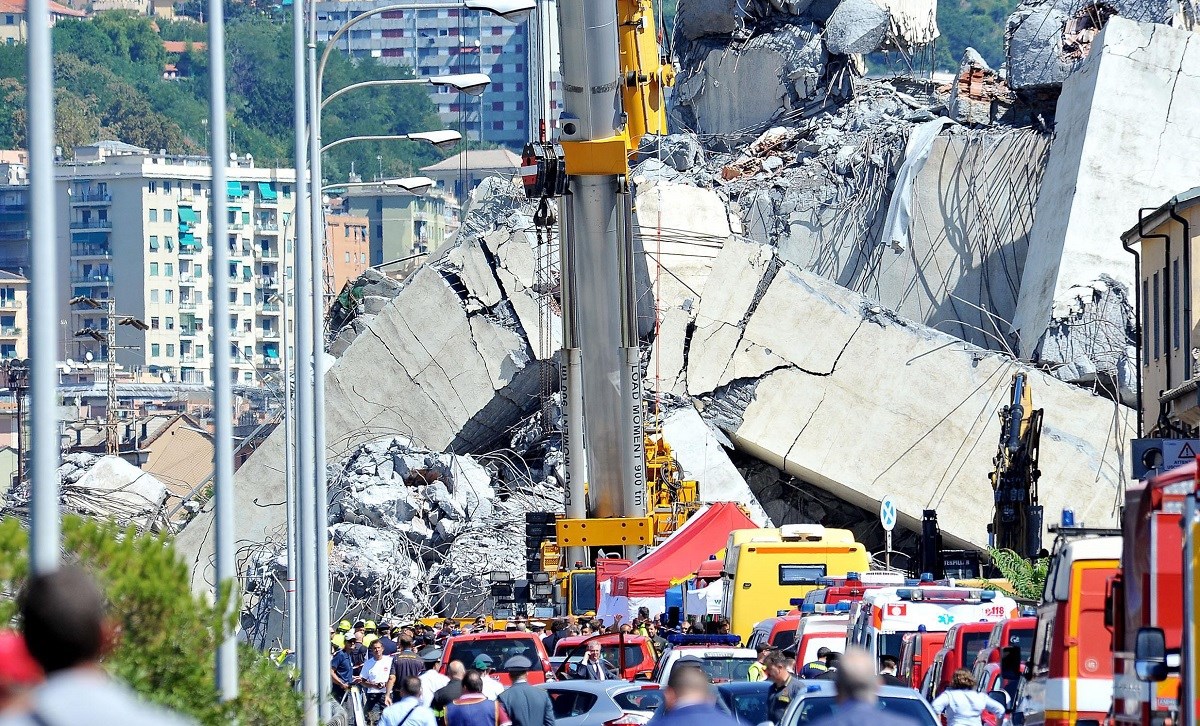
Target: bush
168, 634
1028, 579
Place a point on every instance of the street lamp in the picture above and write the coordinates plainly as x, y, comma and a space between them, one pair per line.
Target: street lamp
472, 84
440, 139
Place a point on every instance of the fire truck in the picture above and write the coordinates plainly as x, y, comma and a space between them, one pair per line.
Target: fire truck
1070, 672
1146, 602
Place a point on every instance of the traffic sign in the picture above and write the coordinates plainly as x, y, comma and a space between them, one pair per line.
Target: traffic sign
1177, 452
887, 513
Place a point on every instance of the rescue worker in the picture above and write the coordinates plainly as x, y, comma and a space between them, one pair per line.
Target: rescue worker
431, 680
406, 663
473, 708
389, 645
449, 692
784, 686
370, 633
962, 705
374, 680
491, 687
816, 667
341, 669
526, 705
757, 671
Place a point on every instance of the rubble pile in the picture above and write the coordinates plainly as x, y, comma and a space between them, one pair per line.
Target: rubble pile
415, 531
106, 487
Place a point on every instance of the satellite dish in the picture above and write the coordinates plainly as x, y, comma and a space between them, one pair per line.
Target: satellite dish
166, 377
71, 362
64, 368
88, 356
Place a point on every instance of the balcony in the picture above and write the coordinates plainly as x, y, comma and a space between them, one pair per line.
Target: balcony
89, 250
269, 227
269, 364
190, 332
187, 281
268, 335
188, 251
14, 207
81, 198
10, 304
268, 308
93, 278
9, 331
92, 224
188, 358
188, 305
266, 283
13, 234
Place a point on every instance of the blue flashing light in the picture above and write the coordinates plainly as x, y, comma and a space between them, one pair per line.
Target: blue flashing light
912, 582
1068, 518
922, 629
808, 607
828, 581
730, 640
904, 594
926, 577
853, 576
842, 607
796, 602
814, 688
780, 613
1028, 611
987, 595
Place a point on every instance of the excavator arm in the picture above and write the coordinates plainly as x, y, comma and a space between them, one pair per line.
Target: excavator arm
1017, 518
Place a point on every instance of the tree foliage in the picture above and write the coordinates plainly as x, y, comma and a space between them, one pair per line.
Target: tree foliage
168, 634
1028, 579
109, 74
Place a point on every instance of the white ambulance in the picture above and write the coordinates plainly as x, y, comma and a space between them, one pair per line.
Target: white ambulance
879, 621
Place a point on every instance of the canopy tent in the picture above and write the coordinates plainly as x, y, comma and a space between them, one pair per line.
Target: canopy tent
683, 553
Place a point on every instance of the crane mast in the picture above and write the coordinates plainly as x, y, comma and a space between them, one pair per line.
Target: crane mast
613, 75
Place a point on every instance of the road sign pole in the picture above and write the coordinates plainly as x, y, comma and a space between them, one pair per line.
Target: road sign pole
887, 518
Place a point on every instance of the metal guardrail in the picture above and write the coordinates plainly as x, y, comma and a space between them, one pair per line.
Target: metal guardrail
93, 224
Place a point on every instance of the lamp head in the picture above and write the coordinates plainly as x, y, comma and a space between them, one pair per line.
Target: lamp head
472, 84
511, 10
441, 139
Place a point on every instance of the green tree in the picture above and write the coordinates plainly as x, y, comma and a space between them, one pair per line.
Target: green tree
1028, 579
168, 634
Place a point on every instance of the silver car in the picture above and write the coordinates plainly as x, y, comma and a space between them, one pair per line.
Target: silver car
594, 703
820, 699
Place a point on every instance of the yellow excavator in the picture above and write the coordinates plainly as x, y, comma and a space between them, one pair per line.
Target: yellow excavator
1017, 518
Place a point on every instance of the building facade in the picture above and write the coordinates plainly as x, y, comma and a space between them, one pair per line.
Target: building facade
1168, 305
139, 232
435, 42
14, 316
13, 27
399, 224
458, 175
347, 249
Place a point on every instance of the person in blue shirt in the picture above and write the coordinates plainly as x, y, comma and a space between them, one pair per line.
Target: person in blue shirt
858, 695
341, 669
690, 700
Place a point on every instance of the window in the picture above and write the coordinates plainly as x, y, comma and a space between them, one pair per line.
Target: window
170, 350
233, 322
166, 187
287, 192
154, 323
167, 215
1175, 307
168, 296
169, 242
1157, 328
246, 326
247, 299
1145, 297
362, 257
153, 242
249, 376
199, 351
170, 323
153, 269
154, 296
800, 574
347, 257
153, 215
248, 351
245, 218
196, 192
152, 187
155, 350
169, 269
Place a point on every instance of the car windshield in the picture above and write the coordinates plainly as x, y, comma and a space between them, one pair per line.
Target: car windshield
642, 699
972, 644
911, 709
725, 670
890, 643
784, 638
610, 652
1023, 639
498, 649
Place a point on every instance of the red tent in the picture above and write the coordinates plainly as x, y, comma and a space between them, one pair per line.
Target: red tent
683, 552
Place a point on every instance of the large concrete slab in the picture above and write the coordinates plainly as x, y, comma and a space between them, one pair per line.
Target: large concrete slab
830, 387
447, 364
702, 455
1125, 138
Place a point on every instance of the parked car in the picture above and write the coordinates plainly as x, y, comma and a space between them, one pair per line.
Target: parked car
719, 656
779, 632
820, 699
639, 652
745, 701
603, 703
499, 647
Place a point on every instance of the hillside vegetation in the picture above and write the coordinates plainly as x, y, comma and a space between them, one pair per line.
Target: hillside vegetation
110, 85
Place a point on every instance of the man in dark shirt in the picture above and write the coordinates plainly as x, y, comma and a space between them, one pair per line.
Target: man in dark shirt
405, 664
358, 654
887, 671
449, 692
341, 668
858, 695
784, 686
389, 645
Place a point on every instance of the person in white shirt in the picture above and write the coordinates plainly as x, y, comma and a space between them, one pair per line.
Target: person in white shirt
374, 677
491, 687
962, 704
408, 711
431, 679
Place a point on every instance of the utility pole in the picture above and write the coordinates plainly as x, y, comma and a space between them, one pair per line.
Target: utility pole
108, 336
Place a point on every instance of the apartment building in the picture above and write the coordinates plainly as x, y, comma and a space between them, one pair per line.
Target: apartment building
435, 42
1168, 304
14, 315
139, 232
347, 249
399, 224
13, 26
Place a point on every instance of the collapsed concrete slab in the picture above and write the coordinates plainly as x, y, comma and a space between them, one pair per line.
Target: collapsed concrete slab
861, 402
448, 363
1124, 139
